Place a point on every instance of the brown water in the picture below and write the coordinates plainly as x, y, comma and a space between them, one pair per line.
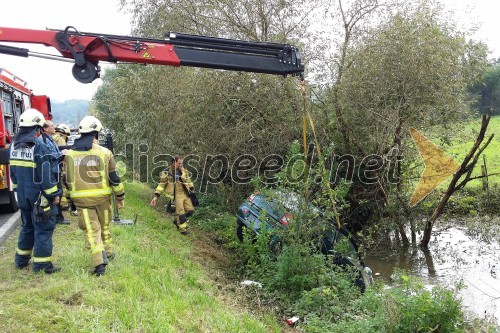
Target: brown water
455, 255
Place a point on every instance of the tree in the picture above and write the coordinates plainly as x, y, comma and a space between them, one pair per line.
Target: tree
203, 111
256, 20
411, 70
487, 90
460, 178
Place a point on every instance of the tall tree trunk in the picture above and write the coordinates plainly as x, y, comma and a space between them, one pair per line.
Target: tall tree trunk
413, 232
402, 232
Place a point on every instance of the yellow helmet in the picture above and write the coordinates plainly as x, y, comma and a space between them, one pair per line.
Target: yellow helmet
63, 128
31, 117
90, 124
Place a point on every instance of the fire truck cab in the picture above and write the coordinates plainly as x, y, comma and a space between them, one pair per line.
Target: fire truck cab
16, 97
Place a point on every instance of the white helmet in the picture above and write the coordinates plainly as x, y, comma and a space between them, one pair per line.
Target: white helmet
63, 128
90, 124
30, 118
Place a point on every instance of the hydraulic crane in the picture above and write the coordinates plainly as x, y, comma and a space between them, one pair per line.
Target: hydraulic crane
86, 50
177, 49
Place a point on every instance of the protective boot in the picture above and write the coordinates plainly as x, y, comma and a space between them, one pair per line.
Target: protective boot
21, 266
175, 223
183, 228
64, 204
62, 220
21, 261
99, 270
48, 269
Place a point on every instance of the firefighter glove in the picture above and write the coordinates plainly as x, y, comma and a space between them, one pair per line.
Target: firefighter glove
42, 209
194, 199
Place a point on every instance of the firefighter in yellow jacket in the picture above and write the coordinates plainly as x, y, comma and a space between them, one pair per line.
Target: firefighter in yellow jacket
91, 179
61, 139
62, 135
176, 183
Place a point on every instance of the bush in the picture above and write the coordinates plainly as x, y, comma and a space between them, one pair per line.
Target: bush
424, 310
299, 281
474, 201
488, 200
462, 204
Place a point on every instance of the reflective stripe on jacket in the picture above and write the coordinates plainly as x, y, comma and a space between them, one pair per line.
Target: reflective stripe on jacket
167, 182
31, 173
60, 139
87, 175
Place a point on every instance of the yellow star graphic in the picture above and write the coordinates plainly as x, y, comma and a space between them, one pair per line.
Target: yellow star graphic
438, 167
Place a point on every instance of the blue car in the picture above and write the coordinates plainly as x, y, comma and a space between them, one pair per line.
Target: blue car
259, 213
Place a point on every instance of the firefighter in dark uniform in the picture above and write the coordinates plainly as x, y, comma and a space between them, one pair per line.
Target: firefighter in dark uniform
178, 187
91, 180
37, 193
47, 132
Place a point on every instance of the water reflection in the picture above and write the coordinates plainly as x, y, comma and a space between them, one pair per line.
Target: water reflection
454, 255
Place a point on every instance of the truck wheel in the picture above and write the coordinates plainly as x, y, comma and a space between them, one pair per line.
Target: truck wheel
12, 205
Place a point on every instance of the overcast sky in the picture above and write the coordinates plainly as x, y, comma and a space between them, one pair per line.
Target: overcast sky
54, 78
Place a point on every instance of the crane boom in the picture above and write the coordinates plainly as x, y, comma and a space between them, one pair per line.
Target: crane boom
87, 49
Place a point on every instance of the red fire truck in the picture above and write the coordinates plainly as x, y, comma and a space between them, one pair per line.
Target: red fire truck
16, 97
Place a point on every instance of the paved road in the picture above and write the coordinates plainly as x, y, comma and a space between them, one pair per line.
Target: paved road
8, 222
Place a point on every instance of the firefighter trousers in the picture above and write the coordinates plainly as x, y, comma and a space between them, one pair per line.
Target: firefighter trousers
95, 222
183, 209
60, 217
35, 239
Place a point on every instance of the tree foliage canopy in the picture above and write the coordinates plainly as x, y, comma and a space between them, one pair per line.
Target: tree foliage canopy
411, 71
383, 66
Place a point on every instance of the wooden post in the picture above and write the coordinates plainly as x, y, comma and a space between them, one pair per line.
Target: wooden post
484, 173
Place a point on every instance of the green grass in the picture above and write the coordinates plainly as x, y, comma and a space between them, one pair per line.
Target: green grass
462, 139
155, 284
461, 147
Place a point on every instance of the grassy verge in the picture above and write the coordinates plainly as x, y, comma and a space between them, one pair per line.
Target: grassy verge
473, 199
460, 147
155, 284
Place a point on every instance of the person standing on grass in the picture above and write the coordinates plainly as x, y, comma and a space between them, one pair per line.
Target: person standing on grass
178, 187
91, 180
61, 137
57, 156
37, 193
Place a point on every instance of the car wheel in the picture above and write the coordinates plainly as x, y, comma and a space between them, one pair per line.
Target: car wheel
346, 264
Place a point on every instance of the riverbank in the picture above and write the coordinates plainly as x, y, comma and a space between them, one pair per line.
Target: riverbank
464, 256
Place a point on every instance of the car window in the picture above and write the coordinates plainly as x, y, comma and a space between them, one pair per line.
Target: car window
260, 202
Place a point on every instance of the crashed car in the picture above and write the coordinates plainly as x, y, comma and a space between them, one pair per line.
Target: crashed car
267, 213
